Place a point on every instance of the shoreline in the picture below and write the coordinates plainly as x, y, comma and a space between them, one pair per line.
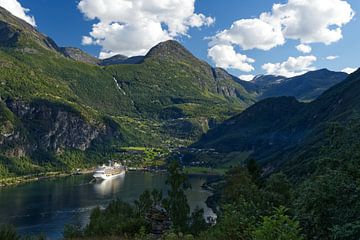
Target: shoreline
17, 180
14, 181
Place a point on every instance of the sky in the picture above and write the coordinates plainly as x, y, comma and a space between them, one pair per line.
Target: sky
247, 37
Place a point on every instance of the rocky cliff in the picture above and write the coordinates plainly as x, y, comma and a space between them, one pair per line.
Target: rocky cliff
45, 126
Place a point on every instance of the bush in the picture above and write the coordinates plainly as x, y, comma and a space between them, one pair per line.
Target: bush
279, 226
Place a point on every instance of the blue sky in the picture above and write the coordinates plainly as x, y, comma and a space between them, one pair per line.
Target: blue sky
66, 24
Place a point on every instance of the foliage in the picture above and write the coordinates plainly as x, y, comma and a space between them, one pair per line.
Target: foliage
118, 218
328, 205
278, 226
241, 187
8, 233
254, 170
279, 190
72, 231
180, 236
235, 222
197, 222
176, 203
147, 200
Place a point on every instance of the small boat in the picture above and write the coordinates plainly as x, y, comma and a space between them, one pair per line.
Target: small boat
113, 170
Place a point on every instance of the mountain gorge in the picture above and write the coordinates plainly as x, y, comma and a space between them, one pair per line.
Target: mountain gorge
61, 107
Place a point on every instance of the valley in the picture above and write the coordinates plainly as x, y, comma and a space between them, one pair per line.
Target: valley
261, 143
62, 109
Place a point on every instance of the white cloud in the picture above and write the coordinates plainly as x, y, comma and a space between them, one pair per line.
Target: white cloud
248, 78
226, 57
312, 21
250, 34
309, 21
87, 40
349, 70
292, 67
133, 27
199, 20
304, 48
332, 57
17, 10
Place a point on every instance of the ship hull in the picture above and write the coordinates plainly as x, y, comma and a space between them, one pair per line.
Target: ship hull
101, 177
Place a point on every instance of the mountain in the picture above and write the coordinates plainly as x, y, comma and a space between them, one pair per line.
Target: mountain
266, 81
306, 87
285, 133
178, 83
15, 32
60, 107
121, 59
79, 55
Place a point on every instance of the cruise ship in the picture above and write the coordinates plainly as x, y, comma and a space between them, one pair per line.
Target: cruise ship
113, 170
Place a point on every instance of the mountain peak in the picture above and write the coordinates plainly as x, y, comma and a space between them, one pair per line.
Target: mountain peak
169, 49
324, 74
15, 32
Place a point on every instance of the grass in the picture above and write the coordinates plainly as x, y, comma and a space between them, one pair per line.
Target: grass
144, 156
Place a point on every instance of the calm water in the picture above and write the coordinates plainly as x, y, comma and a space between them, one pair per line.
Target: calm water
46, 206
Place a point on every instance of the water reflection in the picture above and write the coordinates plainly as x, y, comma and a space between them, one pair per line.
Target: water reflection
46, 206
109, 186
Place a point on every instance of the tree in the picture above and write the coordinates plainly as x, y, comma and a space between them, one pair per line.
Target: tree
176, 203
119, 218
197, 221
329, 204
234, 222
278, 190
72, 232
144, 203
348, 231
241, 187
157, 197
254, 170
279, 226
8, 233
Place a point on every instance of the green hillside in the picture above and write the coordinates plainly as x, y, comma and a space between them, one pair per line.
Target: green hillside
59, 106
283, 133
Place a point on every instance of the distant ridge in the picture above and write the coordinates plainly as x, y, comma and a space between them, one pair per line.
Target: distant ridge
279, 131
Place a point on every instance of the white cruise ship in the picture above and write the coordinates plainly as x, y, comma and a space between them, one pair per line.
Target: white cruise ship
107, 172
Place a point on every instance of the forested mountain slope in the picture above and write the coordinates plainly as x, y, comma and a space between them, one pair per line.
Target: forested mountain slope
284, 132
61, 103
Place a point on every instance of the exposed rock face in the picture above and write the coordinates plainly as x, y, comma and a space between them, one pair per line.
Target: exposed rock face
78, 55
8, 37
159, 220
52, 127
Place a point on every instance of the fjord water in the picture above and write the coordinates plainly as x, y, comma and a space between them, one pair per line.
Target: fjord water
46, 206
